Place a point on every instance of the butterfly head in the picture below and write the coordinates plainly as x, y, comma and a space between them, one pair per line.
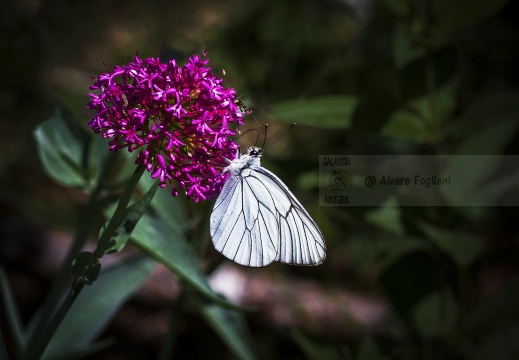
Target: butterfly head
254, 151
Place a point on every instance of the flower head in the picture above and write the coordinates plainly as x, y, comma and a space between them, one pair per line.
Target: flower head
177, 117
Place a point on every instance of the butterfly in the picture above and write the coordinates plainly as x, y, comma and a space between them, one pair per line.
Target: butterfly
256, 220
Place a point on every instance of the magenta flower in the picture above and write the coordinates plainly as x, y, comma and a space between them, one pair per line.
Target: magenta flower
177, 117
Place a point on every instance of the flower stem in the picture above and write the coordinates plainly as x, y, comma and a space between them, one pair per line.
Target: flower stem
40, 339
79, 241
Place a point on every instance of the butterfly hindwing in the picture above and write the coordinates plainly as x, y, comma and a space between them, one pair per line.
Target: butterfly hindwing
300, 239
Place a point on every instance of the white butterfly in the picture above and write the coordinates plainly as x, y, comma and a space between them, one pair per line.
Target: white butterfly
256, 220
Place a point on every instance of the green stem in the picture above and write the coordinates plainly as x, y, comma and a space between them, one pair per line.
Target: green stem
60, 282
40, 339
36, 351
118, 215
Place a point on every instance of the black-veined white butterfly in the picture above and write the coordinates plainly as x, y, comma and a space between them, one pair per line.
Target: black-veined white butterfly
256, 220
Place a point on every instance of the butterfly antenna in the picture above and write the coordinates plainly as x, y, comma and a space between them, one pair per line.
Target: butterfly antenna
279, 137
264, 137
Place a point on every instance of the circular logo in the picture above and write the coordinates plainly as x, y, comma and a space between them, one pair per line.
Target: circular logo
337, 181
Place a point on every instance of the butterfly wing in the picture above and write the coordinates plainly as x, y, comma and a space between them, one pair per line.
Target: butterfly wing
300, 239
256, 220
244, 227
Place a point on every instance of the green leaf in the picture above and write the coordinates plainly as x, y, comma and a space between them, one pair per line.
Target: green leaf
229, 325
63, 149
313, 350
172, 209
387, 217
463, 248
453, 16
86, 266
437, 314
131, 217
13, 316
369, 350
333, 112
403, 50
97, 305
157, 238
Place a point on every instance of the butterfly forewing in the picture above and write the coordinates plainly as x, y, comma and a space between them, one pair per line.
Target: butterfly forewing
242, 228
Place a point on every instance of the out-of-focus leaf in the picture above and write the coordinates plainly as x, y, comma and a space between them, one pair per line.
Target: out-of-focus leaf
472, 175
12, 312
502, 345
437, 314
369, 350
157, 238
387, 217
333, 112
398, 7
416, 120
406, 124
410, 279
494, 312
96, 306
313, 350
229, 325
131, 217
403, 51
463, 248
455, 15
413, 75
63, 148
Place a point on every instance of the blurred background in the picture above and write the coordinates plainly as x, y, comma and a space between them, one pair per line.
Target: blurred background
358, 77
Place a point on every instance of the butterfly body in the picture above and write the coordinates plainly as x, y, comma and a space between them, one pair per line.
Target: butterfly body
256, 220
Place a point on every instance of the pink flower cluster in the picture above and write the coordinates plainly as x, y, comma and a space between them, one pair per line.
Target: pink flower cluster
177, 117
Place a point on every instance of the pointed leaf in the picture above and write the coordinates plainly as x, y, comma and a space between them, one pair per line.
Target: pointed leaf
12, 312
463, 248
437, 314
62, 150
131, 217
167, 245
97, 305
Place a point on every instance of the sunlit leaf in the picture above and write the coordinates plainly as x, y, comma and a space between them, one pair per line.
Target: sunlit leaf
97, 304
332, 112
63, 149
157, 238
